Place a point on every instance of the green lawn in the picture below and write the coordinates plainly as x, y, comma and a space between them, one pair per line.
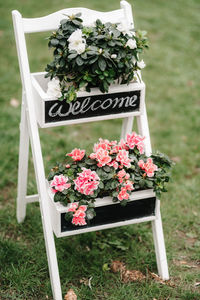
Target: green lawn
173, 104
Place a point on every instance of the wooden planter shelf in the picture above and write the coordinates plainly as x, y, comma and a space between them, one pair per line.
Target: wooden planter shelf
141, 207
121, 101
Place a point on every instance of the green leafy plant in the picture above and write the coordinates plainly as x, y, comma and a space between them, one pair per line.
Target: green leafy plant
95, 56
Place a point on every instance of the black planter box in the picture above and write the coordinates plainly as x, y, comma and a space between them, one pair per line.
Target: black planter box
116, 213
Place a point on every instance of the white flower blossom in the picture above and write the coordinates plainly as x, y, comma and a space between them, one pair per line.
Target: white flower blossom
76, 36
114, 56
54, 88
77, 42
78, 47
141, 64
131, 44
124, 28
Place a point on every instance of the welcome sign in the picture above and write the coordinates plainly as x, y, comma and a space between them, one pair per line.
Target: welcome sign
92, 106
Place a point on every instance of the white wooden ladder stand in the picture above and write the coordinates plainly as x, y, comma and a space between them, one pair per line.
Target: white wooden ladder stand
32, 119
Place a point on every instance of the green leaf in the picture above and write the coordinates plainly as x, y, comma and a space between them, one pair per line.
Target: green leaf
107, 169
101, 185
57, 197
54, 42
90, 161
90, 213
105, 86
73, 55
79, 61
102, 63
105, 267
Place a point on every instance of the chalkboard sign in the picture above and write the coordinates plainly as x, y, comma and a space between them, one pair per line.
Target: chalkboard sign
92, 106
116, 213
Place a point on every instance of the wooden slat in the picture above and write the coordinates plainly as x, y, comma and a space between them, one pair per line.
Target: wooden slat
52, 21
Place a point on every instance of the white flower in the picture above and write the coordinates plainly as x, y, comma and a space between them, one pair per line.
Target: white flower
124, 28
131, 44
77, 42
54, 88
114, 56
76, 36
141, 64
78, 47
134, 60
100, 50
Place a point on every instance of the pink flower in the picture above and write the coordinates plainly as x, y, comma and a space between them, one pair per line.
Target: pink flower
67, 166
120, 146
149, 167
127, 176
121, 173
79, 213
73, 207
123, 158
113, 164
133, 140
123, 194
87, 182
103, 144
101, 156
141, 164
79, 221
129, 185
77, 154
59, 183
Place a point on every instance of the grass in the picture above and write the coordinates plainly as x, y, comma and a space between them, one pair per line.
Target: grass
173, 103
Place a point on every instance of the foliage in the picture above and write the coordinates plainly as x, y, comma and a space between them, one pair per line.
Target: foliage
97, 56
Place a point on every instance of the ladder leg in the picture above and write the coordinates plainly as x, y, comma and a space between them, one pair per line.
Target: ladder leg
23, 165
44, 206
143, 129
159, 244
51, 255
127, 126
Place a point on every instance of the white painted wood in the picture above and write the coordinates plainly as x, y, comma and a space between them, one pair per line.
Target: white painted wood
37, 155
143, 129
106, 226
52, 21
23, 164
159, 244
128, 13
127, 126
40, 83
137, 195
32, 198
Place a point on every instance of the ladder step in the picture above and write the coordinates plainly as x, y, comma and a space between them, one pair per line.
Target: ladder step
32, 198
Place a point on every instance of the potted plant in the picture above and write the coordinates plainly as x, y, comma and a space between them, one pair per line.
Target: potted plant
95, 70
117, 173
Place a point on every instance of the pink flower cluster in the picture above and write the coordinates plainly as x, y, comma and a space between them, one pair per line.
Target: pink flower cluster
104, 151
79, 214
148, 167
127, 185
123, 159
76, 154
134, 140
59, 183
87, 182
